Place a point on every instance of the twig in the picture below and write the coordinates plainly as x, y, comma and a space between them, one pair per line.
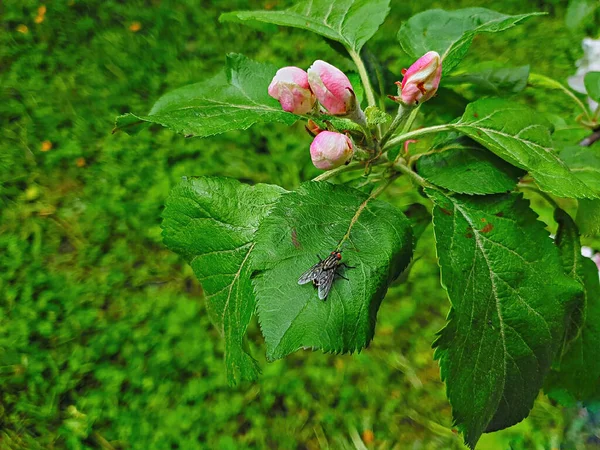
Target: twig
589, 140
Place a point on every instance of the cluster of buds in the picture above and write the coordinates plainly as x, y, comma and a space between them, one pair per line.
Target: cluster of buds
301, 92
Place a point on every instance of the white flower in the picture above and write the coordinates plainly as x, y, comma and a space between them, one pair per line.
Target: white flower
589, 63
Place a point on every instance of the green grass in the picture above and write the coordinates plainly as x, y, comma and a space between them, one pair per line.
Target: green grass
104, 339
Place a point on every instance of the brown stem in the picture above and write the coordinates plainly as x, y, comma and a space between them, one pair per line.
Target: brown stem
589, 140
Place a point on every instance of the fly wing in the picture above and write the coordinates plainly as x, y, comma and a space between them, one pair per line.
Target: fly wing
325, 281
311, 274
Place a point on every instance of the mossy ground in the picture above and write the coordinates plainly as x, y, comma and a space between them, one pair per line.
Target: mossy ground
104, 340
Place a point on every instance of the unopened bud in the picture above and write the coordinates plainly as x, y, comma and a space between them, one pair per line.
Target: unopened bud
421, 80
332, 88
290, 86
330, 150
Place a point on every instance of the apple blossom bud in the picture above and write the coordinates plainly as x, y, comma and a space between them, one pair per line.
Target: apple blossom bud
332, 88
330, 150
421, 80
290, 86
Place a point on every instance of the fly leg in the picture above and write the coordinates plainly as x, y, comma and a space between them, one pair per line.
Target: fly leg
342, 276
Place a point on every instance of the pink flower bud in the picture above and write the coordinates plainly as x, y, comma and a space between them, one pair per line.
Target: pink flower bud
330, 150
290, 86
422, 79
332, 88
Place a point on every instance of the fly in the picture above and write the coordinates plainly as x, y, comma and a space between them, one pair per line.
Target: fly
323, 273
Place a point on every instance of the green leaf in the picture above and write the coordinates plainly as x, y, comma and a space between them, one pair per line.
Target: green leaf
211, 222
496, 81
537, 80
350, 22
357, 86
578, 11
576, 375
375, 116
509, 295
592, 85
450, 33
588, 217
232, 100
374, 237
419, 217
463, 166
521, 137
567, 241
584, 162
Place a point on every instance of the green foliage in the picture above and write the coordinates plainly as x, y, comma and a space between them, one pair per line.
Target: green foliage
521, 137
497, 81
588, 217
232, 100
584, 162
375, 116
349, 22
462, 165
578, 11
592, 85
507, 312
450, 33
576, 375
315, 218
211, 223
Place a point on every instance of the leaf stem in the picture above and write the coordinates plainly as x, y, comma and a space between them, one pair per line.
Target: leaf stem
411, 119
332, 173
382, 187
416, 133
404, 111
364, 76
540, 193
401, 166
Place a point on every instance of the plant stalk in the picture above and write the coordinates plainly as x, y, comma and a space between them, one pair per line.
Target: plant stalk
415, 134
404, 111
364, 76
333, 172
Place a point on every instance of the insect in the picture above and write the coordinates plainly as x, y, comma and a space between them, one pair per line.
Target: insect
323, 273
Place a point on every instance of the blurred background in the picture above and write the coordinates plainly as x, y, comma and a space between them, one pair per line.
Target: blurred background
104, 339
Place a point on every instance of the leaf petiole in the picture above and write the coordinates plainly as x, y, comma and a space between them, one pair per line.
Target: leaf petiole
404, 113
415, 134
332, 173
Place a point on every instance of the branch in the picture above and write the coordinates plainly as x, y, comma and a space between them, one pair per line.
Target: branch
595, 136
